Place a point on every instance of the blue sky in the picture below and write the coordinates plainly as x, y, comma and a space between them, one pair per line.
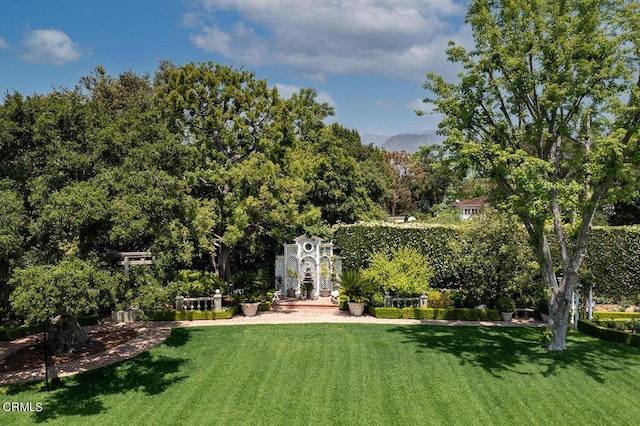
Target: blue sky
368, 59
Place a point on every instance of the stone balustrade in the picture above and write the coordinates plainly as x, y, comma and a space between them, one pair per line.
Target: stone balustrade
213, 303
405, 302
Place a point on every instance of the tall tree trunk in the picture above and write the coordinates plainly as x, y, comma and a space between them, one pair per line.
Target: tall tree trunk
66, 335
561, 292
224, 261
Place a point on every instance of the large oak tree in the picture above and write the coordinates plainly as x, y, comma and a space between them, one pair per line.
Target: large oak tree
547, 105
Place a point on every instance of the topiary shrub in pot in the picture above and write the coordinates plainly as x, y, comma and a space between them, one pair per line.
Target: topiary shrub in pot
506, 306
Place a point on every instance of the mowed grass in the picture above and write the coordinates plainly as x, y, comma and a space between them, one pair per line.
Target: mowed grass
350, 374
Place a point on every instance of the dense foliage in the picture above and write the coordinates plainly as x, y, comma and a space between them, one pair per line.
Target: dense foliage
548, 107
403, 272
203, 163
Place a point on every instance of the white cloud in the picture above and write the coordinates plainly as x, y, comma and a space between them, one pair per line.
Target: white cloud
50, 47
3, 44
392, 37
286, 90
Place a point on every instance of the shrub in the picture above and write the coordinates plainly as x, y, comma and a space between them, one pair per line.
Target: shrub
603, 315
191, 315
380, 312
604, 333
506, 304
462, 314
436, 299
355, 286
404, 272
191, 283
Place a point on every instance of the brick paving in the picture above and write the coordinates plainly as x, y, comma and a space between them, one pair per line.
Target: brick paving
152, 334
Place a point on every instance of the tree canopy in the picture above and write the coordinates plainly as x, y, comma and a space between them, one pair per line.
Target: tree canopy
204, 163
547, 106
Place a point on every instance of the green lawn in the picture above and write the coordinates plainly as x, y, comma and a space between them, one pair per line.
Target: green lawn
350, 374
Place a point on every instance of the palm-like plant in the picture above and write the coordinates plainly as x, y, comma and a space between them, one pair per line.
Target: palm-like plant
355, 286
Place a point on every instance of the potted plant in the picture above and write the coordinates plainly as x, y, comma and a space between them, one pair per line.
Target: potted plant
506, 306
248, 292
357, 288
291, 292
324, 273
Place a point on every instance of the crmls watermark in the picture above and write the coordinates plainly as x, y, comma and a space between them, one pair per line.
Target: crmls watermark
25, 407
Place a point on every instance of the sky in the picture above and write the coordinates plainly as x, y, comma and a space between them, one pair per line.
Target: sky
367, 59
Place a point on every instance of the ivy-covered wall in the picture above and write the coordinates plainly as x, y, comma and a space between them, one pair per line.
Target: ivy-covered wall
357, 242
612, 262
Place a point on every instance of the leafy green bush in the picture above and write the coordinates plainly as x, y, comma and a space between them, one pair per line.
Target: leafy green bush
506, 304
191, 283
437, 299
356, 286
403, 272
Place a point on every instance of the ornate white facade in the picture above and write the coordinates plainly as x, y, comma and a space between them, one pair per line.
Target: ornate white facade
307, 253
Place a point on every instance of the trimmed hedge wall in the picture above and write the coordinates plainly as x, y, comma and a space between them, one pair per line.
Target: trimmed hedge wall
612, 260
357, 242
461, 314
605, 315
609, 334
192, 315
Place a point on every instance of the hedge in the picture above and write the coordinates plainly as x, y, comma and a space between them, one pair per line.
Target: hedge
605, 315
611, 264
461, 314
357, 242
192, 315
609, 334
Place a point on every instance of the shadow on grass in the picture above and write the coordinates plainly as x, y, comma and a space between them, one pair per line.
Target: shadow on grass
81, 395
497, 350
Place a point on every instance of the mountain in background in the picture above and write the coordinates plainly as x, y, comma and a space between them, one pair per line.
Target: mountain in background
410, 142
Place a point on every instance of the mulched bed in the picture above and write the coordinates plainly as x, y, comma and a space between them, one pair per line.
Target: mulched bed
104, 338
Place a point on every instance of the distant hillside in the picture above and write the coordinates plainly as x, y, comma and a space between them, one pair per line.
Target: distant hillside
410, 142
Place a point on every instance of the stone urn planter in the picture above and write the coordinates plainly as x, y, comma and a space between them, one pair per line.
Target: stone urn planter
506, 316
249, 309
325, 292
356, 308
506, 306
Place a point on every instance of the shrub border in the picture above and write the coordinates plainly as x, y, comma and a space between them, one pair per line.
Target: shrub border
226, 313
609, 334
606, 315
461, 314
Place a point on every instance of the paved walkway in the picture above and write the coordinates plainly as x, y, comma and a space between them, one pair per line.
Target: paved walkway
152, 334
